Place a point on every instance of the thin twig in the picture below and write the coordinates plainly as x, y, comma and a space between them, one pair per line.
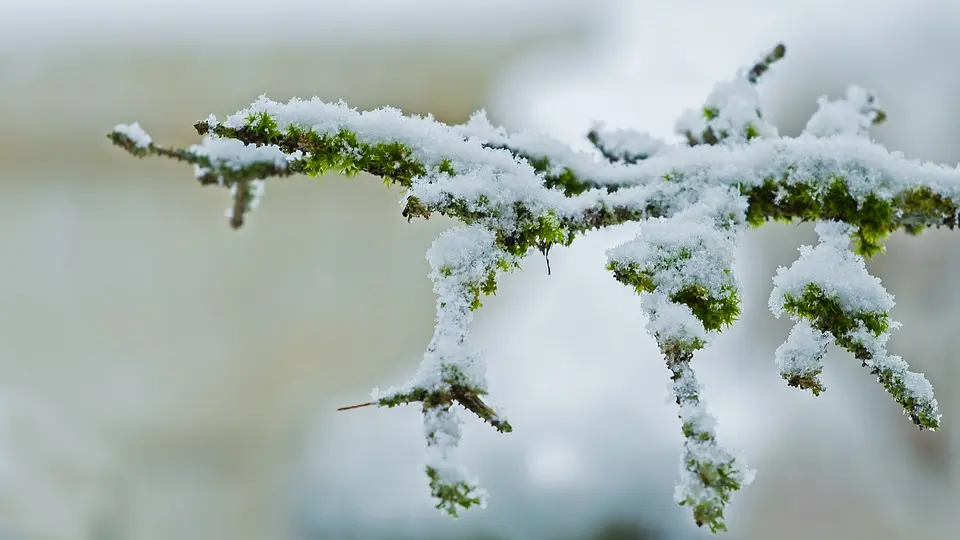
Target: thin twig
367, 404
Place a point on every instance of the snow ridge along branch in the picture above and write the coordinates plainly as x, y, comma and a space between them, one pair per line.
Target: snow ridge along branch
516, 192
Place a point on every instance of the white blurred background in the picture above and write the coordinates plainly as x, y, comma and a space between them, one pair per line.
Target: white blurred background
162, 376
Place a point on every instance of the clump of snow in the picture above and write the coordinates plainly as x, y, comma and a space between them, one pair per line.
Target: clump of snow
672, 322
801, 355
734, 105
626, 144
136, 133
585, 165
678, 253
851, 115
837, 271
235, 154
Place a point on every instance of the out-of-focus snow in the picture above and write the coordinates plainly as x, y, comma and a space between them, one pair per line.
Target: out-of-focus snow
206, 23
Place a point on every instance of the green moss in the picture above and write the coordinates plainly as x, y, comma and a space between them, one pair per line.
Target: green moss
563, 179
467, 212
488, 286
806, 381
451, 496
827, 315
923, 414
540, 231
874, 217
415, 208
710, 113
760, 202
606, 216
264, 127
446, 166
690, 432
722, 478
713, 312
341, 152
922, 204
415, 395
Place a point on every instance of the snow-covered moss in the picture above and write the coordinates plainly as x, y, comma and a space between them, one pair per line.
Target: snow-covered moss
519, 192
830, 292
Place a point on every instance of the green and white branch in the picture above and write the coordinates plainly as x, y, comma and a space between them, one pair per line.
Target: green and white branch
519, 192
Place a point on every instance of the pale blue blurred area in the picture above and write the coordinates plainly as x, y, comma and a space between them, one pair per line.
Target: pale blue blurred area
164, 376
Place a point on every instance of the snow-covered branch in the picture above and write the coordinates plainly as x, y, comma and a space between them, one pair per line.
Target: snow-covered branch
516, 192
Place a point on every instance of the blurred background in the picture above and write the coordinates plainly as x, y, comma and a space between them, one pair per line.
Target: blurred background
162, 376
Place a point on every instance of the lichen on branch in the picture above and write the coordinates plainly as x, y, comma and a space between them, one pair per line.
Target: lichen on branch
515, 193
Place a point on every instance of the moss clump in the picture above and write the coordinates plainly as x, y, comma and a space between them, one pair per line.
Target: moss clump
415, 395
714, 312
806, 381
343, 153
782, 201
827, 315
452, 496
722, 478
262, 126
920, 205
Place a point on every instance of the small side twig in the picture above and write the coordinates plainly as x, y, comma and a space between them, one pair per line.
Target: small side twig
367, 404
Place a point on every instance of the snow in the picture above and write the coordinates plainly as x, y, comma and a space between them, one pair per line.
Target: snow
626, 144
678, 253
801, 355
852, 115
235, 154
736, 104
840, 274
136, 133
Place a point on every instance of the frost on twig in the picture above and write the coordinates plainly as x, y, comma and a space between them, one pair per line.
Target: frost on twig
519, 193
